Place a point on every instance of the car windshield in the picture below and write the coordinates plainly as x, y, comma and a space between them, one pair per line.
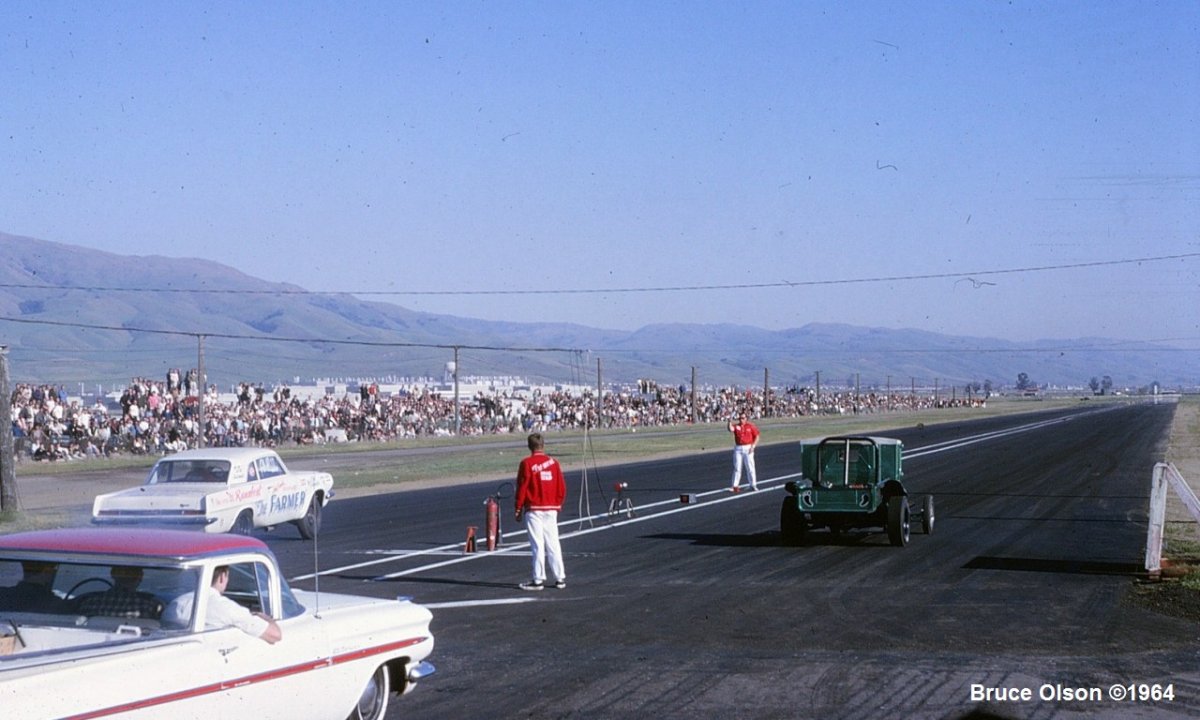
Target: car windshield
74, 593
190, 471
846, 462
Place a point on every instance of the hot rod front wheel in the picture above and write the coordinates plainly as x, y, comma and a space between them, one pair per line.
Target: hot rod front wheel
372, 704
898, 520
792, 525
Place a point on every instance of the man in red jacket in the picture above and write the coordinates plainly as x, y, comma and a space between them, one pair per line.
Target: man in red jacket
745, 439
540, 495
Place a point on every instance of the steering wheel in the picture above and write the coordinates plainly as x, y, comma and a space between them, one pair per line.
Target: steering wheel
71, 593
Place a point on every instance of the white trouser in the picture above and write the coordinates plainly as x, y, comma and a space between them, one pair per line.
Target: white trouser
542, 526
743, 455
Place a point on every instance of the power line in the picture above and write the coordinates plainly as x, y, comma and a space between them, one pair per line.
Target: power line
969, 275
268, 338
902, 351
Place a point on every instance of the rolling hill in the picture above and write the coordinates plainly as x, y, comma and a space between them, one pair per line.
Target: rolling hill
72, 315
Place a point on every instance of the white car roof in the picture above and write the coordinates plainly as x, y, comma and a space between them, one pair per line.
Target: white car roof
235, 455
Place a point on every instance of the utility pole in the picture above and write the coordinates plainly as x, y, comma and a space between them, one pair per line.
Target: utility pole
818, 391
457, 417
8, 475
599, 396
693, 394
202, 381
766, 392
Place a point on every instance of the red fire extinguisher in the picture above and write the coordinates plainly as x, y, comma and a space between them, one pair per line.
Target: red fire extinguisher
491, 517
491, 521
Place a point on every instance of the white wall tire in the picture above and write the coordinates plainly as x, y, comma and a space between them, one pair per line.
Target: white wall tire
372, 703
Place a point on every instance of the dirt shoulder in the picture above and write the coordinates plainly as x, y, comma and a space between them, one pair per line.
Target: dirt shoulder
1178, 592
1184, 452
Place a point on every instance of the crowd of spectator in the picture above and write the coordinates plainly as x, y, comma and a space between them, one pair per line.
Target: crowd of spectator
153, 417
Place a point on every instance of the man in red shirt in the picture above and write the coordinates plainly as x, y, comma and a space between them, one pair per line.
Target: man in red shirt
540, 495
745, 438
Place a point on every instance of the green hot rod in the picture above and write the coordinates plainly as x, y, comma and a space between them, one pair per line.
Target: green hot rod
847, 482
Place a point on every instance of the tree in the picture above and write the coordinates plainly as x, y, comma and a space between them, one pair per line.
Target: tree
1094, 384
1023, 382
1106, 385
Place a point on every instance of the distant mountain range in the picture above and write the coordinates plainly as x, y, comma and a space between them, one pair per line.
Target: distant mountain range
75, 316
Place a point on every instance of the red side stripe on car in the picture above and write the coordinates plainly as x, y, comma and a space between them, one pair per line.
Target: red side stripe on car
248, 680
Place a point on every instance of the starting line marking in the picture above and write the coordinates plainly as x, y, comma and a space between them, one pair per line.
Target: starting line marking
479, 603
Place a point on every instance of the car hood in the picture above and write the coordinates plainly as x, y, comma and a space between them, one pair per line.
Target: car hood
327, 601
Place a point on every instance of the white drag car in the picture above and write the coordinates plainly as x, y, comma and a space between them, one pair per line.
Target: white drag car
84, 634
221, 490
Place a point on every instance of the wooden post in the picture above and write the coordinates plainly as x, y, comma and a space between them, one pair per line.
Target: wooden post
8, 475
1158, 512
1165, 476
766, 392
202, 381
457, 416
599, 396
693, 394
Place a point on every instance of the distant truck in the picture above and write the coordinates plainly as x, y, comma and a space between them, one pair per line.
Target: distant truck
221, 490
851, 481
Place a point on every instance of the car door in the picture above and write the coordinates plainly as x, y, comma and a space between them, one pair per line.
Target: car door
285, 499
247, 673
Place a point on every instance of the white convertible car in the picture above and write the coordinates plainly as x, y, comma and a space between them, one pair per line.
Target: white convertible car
221, 489
83, 633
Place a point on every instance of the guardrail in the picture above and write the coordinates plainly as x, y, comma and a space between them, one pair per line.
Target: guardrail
1166, 475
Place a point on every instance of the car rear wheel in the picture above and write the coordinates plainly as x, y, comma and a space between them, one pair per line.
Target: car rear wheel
310, 524
244, 525
792, 525
927, 516
372, 704
898, 520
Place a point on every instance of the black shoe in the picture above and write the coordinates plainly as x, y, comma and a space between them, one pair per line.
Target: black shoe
532, 586
560, 585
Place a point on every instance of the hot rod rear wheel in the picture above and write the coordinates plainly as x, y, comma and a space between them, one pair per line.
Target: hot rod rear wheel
898, 520
310, 524
372, 704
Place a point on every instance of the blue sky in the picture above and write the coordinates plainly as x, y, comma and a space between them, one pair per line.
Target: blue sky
422, 148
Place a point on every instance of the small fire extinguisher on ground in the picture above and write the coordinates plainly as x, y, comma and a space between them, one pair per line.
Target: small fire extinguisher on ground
491, 516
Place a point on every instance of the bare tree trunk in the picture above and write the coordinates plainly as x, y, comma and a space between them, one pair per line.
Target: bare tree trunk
8, 475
